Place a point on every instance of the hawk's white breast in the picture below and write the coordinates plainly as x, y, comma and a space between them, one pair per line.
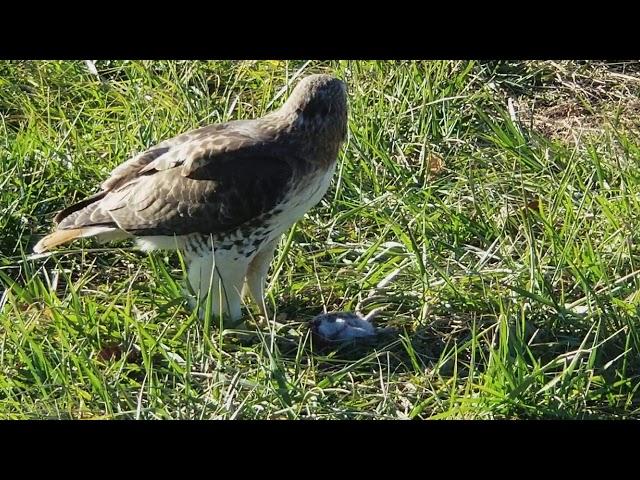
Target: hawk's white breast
300, 200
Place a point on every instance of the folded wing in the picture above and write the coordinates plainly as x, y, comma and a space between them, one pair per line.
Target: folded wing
210, 180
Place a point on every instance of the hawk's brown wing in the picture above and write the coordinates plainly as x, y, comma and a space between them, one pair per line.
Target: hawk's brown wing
130, 169
214, 181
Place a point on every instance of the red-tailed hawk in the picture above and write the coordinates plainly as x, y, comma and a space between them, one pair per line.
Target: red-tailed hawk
223, 194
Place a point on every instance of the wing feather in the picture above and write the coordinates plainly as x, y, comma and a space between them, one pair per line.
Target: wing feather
225, 194
211, 180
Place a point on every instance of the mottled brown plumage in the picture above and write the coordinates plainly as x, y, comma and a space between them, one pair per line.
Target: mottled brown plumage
230, 188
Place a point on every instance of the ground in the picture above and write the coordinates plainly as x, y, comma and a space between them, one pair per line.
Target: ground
491, 207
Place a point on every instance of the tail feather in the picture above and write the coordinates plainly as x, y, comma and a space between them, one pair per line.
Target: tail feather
83, 219
60, 237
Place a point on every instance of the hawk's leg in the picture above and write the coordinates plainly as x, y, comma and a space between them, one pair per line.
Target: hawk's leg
222, 280
257, 275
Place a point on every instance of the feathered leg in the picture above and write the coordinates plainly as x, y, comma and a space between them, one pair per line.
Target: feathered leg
257, 275
211, 275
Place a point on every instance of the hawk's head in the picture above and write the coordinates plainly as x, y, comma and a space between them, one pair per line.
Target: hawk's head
319, 101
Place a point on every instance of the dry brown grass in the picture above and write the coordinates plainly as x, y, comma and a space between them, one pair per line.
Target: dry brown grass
580, 100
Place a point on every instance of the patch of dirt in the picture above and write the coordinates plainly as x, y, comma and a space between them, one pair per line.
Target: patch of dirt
569, 121
580, 99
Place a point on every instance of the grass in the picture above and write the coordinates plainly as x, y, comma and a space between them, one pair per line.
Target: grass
491, 207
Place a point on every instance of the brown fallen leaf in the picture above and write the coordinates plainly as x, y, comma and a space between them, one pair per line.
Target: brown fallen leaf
114, 352
110, 352
533, 205
435, 164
